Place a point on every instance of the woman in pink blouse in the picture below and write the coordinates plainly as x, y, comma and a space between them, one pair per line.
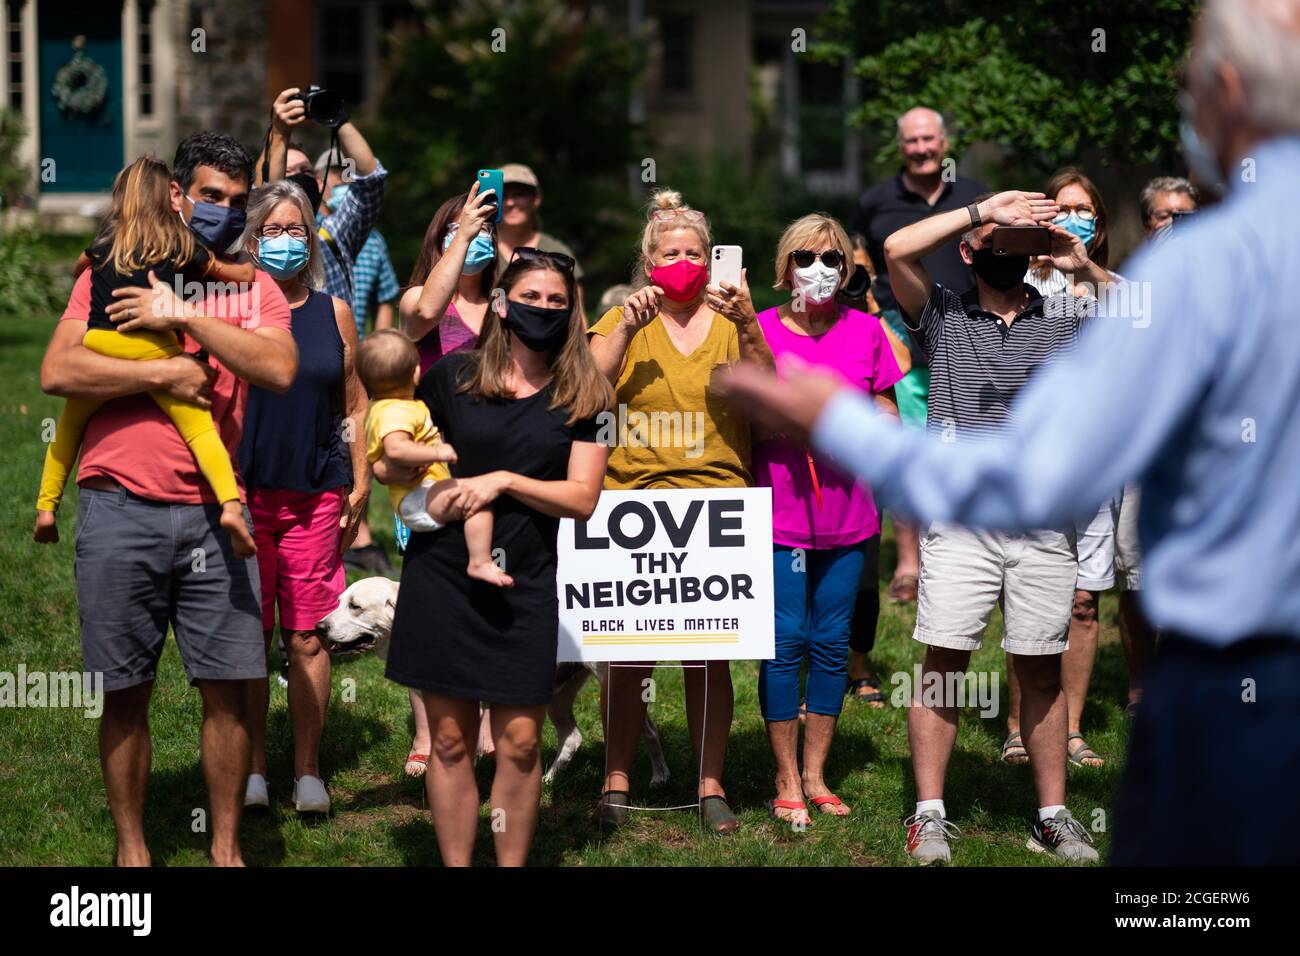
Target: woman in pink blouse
822, 520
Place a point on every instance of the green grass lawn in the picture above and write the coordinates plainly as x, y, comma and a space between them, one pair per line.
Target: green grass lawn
53, 810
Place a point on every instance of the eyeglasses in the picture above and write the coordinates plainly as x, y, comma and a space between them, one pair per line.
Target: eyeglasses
274, 232
831, 258
530, 254
1086, 213
666, 215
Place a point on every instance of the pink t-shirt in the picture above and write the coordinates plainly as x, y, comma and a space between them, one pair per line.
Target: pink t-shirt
130, 439
855, 347
449, 335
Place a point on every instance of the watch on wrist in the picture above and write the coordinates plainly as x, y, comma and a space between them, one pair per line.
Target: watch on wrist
974, 210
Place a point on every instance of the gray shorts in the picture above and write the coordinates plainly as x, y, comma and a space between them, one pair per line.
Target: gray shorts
143, 565
965, 571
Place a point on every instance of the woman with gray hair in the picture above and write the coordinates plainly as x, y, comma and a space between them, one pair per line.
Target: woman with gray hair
303, 461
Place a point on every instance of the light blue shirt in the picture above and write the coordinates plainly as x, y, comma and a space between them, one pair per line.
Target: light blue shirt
1192, 386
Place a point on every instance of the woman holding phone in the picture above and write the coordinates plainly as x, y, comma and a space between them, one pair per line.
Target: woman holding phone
443, 307
659, 350
521, 413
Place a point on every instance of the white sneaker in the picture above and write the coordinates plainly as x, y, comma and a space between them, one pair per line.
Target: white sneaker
255, 794
927, 837
310, 795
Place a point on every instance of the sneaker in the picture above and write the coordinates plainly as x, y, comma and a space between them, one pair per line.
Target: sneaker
371, 558
310, 795
927, 837
1063, 836
255, 794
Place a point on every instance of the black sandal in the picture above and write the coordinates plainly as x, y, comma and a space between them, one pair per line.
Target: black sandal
612, 810
855, 686
716, 814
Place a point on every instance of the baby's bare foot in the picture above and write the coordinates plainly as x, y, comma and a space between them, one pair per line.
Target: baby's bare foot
46, 530
232, 519
489, 572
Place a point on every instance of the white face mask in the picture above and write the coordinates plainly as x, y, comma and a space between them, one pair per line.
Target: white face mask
818, 282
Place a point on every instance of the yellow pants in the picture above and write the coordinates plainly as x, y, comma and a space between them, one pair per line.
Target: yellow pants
194, 423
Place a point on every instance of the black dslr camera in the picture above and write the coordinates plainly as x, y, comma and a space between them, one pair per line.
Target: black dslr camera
323, 106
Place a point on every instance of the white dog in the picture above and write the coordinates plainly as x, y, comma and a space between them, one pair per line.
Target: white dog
364, 620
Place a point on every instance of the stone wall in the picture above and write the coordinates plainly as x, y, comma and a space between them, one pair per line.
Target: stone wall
222, 87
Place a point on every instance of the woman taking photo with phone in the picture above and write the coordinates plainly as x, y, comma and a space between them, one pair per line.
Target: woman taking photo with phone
1083, 215
443, 307
520, 412
660, 349
824, 523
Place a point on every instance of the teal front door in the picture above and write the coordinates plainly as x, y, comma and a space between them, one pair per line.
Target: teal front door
83, 135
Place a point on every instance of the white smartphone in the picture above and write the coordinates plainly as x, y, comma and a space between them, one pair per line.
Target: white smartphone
724, 265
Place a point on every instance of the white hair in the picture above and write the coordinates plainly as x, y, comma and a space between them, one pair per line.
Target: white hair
1261, 40
938, 118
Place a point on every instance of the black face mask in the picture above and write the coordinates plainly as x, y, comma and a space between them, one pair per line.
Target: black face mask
539, 329
1000, 272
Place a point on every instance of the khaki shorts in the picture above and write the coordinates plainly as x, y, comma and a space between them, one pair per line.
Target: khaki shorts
965, 572
1096, 541
1128, 555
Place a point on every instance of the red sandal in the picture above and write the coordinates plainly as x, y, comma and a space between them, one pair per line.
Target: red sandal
827, 800
774, 805
421, 762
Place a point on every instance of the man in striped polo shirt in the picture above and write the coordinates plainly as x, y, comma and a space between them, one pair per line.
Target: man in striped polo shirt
983, 345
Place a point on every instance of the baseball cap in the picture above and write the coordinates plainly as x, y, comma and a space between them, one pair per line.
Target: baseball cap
519, 173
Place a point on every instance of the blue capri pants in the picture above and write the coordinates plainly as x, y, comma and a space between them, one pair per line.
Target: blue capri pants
815, 593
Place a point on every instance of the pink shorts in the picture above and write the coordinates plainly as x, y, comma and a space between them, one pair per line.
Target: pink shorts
297, 536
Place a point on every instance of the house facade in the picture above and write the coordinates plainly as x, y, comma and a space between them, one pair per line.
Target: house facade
99, 82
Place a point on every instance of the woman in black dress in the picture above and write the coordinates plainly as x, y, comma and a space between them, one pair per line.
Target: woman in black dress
521, 413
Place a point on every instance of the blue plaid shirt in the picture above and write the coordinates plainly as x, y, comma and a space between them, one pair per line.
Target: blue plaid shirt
373, 280
344, 231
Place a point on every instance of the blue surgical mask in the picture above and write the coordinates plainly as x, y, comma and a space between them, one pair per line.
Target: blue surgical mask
337, 195
1085, 229
217, 227
284, 256
482, 253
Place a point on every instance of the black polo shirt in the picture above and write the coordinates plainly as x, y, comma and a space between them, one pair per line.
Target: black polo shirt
889, 206
978, 363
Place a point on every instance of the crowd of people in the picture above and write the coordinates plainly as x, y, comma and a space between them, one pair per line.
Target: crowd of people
474, 395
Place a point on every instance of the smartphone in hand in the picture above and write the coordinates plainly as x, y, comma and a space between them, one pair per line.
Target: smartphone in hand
1021, 241
725, 265
492, 179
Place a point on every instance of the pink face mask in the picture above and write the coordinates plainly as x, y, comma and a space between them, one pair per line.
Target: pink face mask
681, 281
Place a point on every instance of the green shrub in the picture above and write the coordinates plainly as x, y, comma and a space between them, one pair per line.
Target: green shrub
32, 282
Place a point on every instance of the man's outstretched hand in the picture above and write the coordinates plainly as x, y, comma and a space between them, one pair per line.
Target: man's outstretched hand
789, 406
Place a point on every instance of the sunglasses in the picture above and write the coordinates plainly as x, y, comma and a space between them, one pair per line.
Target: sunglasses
831, 258
529, 254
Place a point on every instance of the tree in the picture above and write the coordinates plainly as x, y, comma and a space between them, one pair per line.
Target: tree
1052, 81
486, 82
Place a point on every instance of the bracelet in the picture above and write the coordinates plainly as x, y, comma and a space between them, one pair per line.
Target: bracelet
974, 211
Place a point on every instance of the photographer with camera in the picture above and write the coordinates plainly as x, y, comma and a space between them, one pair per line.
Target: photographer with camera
344, 225
347, 196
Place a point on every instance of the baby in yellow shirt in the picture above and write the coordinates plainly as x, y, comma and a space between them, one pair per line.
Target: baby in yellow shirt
400, 431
